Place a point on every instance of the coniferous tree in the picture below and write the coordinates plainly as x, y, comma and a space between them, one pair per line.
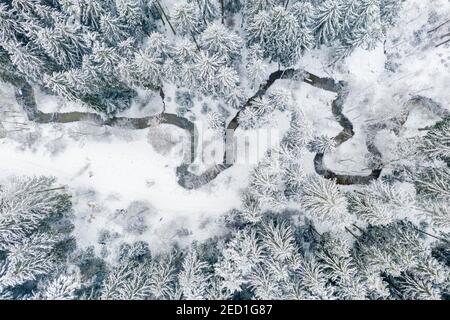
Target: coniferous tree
209, 9
321, 144
382, 203
131, 11
187, 19
29, 209
88, 13
277, 31
252, 7
239, 257
389, 11
217, 39
434, 183
63, 287
327, 21
436, 143
193, 278
114, 28
322, 200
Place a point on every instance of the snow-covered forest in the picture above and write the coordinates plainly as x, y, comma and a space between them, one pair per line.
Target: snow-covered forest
134, 162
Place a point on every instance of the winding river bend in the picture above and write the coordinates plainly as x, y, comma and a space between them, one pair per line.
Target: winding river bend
189, 180
192, 181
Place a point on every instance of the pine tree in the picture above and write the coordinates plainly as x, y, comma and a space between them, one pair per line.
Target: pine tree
258, 114
113, 28
312, 282
65, 84
238, 259
278, 240
172, 71
341, 269
399, 253
251, 211
26, 59
217, 291
193, 278
263, 105
351, 9
235, 97
389, 11
87, 12
293, 176
184, 51
217, 39
436, 143
10, 27
249, 119
258, 29
382, 203
24, 205
216, 122
62, 287
280, 98
132, 11
362, 26
206, 67
252, 7
64, 43
419, 289
303, 11
321, 144
30, 209
265, 182
104, 60
300, 131
144, 70
37, 12
209, 9
323, 201
28, 259
160, 47
327, 19
163, 277
187, 18
227, 80
133, 280
264, 284
438, 212
136, 277
277, 31
285, 44
434, 183
257, 71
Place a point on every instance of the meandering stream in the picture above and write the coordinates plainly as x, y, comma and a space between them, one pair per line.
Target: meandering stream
189, 180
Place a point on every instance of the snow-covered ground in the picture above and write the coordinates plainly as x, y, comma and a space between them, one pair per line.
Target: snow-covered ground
106, 169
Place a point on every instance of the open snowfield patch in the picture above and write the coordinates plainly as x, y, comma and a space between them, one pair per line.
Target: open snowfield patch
107, 169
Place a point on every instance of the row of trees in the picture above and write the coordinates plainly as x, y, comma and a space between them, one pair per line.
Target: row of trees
296, 236
273, 259
99, 52
72, 47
